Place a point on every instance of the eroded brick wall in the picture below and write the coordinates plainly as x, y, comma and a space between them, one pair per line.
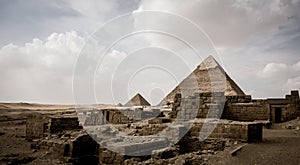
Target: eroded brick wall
118, 116
36, 126
243, 108
251, 111
85, 150
113, 116
62, 123
240, 108
247, 131
201, 105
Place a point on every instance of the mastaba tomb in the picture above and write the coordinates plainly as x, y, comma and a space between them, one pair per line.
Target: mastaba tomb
207, 96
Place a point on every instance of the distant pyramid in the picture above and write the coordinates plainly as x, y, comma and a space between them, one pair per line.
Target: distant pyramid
209, 76
137, 100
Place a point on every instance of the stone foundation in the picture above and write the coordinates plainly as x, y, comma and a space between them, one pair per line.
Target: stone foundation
245, 131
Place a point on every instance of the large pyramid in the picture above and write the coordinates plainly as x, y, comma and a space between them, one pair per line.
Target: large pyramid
137, 100
209, 76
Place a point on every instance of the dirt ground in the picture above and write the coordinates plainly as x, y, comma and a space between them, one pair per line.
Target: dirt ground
279, 146
14, 149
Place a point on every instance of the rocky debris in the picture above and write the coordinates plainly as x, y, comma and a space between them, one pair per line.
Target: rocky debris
14, 159
185, 159
159, 121
234, 151
189, 144
293, 124
150, 129
173, 155
168, 153
289, 126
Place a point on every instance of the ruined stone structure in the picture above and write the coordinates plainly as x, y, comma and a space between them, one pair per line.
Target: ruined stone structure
118, 116
38, 126
214, 111
274, 110
84, 150
245, 131
227, 101
239, 108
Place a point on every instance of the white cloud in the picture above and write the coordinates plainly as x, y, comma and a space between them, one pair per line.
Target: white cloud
40, 70
272, 69
293, 83
276, 80
280, 70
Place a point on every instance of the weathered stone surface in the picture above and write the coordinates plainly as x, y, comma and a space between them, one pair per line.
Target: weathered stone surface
209, 77
168, 153
99, 117
38, 126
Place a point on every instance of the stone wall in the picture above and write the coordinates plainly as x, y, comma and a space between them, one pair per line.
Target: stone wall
289, 107
251, 111
104, 116
246, 131
110, 157
243, 108
201, 105
61, 146
150, 129
84, 150
38, 126
240, 108
190, 144
118, 116
62, 123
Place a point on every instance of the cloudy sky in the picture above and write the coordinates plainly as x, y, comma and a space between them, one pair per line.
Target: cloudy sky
116, 48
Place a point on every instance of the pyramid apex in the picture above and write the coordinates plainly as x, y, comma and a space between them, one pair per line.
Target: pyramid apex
208, 63
210, 56
137, 100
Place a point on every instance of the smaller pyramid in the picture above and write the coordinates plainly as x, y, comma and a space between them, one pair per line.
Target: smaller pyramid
137, 100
